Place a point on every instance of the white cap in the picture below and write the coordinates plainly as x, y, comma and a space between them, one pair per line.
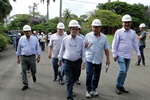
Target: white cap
142, 25
96, 22
26, 28
126, 18
73, 23
19, 33
60, 25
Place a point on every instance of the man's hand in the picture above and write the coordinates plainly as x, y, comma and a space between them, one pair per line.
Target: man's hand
107, 62
59, 62
86, 45
38, 59
18, 61
139, 57
49, 56
83, 66
115, 59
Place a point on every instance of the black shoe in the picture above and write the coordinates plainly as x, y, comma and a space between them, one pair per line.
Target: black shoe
24, 88
34, 78
28, 71
124, 90
77, 82
118, 91
73, 94
137, 64
55, 78
61, 82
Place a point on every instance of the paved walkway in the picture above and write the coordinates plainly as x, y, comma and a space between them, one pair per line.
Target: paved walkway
137, 82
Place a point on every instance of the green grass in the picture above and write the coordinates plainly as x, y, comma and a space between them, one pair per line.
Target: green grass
110, 38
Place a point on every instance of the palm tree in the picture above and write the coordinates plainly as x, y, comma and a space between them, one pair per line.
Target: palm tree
67, 15
48, 3
5, 8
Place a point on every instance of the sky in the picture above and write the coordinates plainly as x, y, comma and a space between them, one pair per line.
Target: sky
78, 7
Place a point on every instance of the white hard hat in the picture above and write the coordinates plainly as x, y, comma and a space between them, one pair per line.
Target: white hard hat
126, 18
73, 23
26, 28
142, 25
34, 31
60, 25
19, 33
96, 22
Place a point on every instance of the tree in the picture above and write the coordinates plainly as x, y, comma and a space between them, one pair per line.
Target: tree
18, 21
48, 3
110, 21
137, 11
5, 9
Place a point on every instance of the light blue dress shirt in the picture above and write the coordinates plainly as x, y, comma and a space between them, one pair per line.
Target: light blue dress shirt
123, 43
72, 48
28, 47
96, 47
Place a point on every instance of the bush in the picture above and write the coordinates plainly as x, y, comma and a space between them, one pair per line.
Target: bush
4, 40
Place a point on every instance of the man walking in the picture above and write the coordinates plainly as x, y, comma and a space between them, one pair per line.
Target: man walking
53, 50
71, 53
95, 43
124, 39
28, 48
142, 37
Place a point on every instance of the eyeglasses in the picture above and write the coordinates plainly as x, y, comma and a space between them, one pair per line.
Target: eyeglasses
75, 29
73, 42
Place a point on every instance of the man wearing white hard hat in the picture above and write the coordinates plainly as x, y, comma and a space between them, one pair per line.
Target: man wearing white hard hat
71, 53
53, 51
95, 44
28, 48
124, 39
142, 45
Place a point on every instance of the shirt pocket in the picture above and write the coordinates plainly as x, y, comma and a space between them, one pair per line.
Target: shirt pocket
32, 46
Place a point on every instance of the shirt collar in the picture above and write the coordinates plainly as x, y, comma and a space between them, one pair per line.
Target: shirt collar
125, 29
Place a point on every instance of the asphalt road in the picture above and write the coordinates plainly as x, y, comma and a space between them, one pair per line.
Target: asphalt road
137, 82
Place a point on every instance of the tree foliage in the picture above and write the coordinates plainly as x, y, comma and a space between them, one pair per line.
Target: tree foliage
137, 11
108, 19
18, 21
5, 9
4, 40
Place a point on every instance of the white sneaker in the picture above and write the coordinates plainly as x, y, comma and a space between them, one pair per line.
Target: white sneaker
94, 93
88, 94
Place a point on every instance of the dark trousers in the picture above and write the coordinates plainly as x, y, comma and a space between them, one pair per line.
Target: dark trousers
27, 61
79, 70
55, 66
141, 48
70, 70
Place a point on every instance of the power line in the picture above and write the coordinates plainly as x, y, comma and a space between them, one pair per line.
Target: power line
84, 1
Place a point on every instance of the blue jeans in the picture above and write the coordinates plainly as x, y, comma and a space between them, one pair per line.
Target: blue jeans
93, 72
123, 65
70, 70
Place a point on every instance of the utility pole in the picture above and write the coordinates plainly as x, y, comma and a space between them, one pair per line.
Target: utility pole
60, 11
109, 0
